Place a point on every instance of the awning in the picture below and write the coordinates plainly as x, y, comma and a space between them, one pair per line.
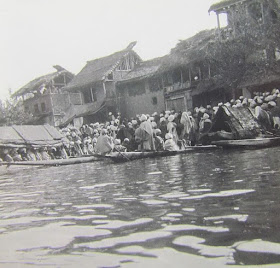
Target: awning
30, 135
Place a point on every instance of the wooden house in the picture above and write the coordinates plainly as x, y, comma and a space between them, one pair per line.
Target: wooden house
45, 100
255, 23
216, 65
141, 90
97, 84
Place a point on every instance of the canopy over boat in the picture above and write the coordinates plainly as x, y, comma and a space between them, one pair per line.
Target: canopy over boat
29, 135
240, 123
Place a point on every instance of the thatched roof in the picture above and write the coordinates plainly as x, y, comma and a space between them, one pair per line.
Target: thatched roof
224, 3
143, 70
35, 84
239, 121
96, 70
190, 50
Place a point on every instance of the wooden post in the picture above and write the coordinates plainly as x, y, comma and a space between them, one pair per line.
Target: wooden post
64, 79
181, 73
190, 76
104, 88
219, 26
162, 81
263, 18
91, 94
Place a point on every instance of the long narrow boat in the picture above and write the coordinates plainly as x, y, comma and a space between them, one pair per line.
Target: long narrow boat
129, 156
249, 143
53, 162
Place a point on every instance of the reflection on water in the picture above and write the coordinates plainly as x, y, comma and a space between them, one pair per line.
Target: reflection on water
216, 209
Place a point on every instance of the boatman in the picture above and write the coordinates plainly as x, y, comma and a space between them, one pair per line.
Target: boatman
104, 143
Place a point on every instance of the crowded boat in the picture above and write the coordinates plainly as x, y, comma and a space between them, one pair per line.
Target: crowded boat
169, 130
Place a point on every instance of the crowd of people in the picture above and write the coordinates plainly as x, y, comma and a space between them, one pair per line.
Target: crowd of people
168, 130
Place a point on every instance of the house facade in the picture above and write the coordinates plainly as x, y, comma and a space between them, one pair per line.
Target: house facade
256, 23
141, 91
220, 64
43, 98
96, 83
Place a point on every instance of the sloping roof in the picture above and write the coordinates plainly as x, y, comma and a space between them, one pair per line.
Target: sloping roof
190, 50
223, 4
24, 135
37, 82
143, 70
95, 70
240, 121
75, 111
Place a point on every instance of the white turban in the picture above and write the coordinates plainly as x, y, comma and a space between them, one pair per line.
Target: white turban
143, 118
171, 118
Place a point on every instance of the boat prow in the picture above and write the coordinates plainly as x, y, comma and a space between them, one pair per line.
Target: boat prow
53, 162
249, 143
129, 156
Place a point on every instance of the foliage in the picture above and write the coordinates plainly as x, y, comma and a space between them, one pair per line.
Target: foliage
251, 51
12, 113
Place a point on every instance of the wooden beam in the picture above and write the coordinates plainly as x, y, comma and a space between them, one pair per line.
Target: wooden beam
190, 76
199, 73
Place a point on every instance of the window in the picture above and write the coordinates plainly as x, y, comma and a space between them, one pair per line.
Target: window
36, 108
277, 54
43, 107
110, 76
154, 100
273, 16
255, 11
154, 84
136, 89
87, 95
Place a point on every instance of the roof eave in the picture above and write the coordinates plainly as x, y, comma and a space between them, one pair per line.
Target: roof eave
222, 5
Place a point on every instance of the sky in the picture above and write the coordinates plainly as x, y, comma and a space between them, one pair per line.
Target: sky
37, 34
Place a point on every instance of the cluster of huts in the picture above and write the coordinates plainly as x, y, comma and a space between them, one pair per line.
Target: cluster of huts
189, 76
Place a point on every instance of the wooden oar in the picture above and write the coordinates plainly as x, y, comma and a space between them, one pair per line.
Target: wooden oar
122, 154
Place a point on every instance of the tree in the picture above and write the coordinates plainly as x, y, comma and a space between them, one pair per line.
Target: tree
12, 113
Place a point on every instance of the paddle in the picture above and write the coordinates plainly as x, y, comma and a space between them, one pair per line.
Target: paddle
122, 154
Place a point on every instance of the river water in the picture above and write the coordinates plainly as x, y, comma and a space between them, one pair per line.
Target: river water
211, 209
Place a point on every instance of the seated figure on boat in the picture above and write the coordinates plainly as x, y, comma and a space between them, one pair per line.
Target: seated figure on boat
104, 143
127, 144
22, 152
118, 147
159, 142
15, 155
170, 144
7, 156
44, 154
30, 155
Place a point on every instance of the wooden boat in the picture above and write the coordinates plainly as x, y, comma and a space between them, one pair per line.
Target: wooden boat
53, 162
129, 156
249, 143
